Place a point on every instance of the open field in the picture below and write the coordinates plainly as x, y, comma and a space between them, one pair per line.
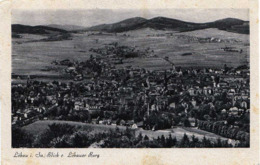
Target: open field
178, 132
34, 57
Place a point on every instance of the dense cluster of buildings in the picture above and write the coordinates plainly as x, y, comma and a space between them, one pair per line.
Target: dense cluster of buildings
128, 96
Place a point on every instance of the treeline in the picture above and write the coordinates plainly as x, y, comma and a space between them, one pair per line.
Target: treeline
225, 130
68, 136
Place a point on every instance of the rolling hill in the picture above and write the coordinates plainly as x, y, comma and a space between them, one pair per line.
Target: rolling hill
25, 29
65, 27
232, 25
125, 25
163, 23
52, 34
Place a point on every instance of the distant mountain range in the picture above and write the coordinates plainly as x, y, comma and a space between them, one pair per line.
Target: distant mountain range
163, 23
158, 23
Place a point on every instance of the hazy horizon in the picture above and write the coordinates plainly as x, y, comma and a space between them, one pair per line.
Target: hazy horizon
94, 17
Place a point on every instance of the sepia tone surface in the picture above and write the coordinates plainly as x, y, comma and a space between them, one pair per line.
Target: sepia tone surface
156, 81
22, 68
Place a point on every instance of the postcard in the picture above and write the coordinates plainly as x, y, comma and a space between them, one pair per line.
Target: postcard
129, 82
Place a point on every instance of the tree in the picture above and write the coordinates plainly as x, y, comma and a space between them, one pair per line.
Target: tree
140, 137
184, 141
163, 141
194, 141
186, 123
78, 141
206, 142
169, 141
128, 132
219, 143
146, 138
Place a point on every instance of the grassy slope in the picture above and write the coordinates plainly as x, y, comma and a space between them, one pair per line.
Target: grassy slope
177, 132
211, 32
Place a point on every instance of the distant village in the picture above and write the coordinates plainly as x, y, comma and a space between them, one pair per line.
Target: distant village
215, 100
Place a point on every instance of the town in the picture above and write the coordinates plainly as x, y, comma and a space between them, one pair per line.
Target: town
214, 100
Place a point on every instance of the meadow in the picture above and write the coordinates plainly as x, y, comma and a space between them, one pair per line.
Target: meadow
34, 58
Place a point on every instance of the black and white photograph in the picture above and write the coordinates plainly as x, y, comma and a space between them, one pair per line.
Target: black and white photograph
130, 78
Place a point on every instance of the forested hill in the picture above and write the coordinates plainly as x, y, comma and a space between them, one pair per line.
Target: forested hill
163, 23
18, 28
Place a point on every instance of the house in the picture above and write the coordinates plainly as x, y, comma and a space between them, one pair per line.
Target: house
113, 122
122, 122
223, 111
70, 69
222, 84
192, 121
140, 124
134, 126
106, 122
78, 105
40, 110
87, 106
29, 114
205, 91
130, 123
233, 111
245, 96
94, 108
193, 102
172, 105
191, 91
154, 107
244, 104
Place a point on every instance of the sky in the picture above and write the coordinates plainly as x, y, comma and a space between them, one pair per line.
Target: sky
93, 17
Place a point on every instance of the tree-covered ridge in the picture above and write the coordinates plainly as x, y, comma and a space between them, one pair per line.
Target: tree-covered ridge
68, 136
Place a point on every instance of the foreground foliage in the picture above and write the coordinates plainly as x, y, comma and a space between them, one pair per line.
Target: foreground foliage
68, 136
